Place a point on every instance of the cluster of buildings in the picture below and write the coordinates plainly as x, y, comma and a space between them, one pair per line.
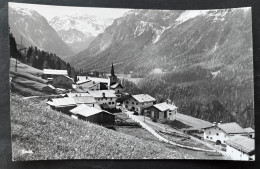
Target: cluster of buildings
95, 99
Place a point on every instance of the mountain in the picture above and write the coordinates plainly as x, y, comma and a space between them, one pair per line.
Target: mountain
36, 31
145, 38
202, 60
79, 30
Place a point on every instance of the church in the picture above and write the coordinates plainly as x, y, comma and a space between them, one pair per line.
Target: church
114, 82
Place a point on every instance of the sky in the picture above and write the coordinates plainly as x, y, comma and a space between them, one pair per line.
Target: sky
50, 11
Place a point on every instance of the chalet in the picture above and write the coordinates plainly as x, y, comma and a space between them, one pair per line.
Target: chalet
90, 85
105, 98
63, 81
220, 133
49, 89
76, 94
162, 111
50, 73
117, 87
62, 104
250, 132
138, 102
241, 148
93, 115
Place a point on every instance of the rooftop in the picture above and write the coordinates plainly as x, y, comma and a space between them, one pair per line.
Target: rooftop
97, 79
85, 100
100, 93
63, 102
55, 72
164, 106
116, 85
230, 128
77, 94
87, 111
242, 143
249, 130
143, 98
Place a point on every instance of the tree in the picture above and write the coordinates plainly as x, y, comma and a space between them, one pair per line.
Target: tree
46, 65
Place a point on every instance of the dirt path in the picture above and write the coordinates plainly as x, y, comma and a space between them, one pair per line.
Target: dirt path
31, 97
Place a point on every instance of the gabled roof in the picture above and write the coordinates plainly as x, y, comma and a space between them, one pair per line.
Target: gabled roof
79, 90
97, 79
63, 102
83, 81
77, 94
164, 106
114, 86
88, 84
230, 128
99, 93
249, 130
141, 98
85, 100
65, 77
55, 72
87, 111
242, 143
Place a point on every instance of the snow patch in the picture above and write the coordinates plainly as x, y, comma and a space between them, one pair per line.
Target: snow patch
190, 14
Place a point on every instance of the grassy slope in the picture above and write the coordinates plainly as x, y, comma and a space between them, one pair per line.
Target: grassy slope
52, 135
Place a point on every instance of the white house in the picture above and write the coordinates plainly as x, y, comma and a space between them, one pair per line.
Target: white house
241, 148
89, 85
105, 98
220, 133
138, 102
53, 72
162, 111
250, 132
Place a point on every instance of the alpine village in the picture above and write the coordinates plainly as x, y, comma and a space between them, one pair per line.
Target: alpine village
145, 108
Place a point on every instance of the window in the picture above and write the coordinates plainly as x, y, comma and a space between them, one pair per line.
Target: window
136, 103
207, 136
136, 109
209, 132
211, 138
110, 98
126, 102
133, 102
112, 102
217, 134
109, 103
126, 106
142, 103
170, 114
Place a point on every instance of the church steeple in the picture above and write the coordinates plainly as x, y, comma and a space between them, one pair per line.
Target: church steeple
113, 78
112, 70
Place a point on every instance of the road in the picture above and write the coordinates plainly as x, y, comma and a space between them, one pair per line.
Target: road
31, 97
164, 127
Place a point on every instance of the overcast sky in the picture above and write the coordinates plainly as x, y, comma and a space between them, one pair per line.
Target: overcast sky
50, 11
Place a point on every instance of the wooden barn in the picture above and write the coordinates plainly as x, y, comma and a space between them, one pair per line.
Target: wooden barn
94, 115
63, 104
63, 81
250, 132
162, 111
49, 89
50, 73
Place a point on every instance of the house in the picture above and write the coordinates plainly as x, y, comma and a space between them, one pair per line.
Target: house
50, 73
220, 133
117, 87
102, 81
63, 81
89, 85
93, 115
250, 132
87, 100
62, 104
49, 89
138, 102
105, 98
241, 148
162, 111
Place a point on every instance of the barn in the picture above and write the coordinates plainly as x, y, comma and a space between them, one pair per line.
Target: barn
62, 104
50, 73
241, 148
49, 89
94, 115
162, 111
63, 81
250, 132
